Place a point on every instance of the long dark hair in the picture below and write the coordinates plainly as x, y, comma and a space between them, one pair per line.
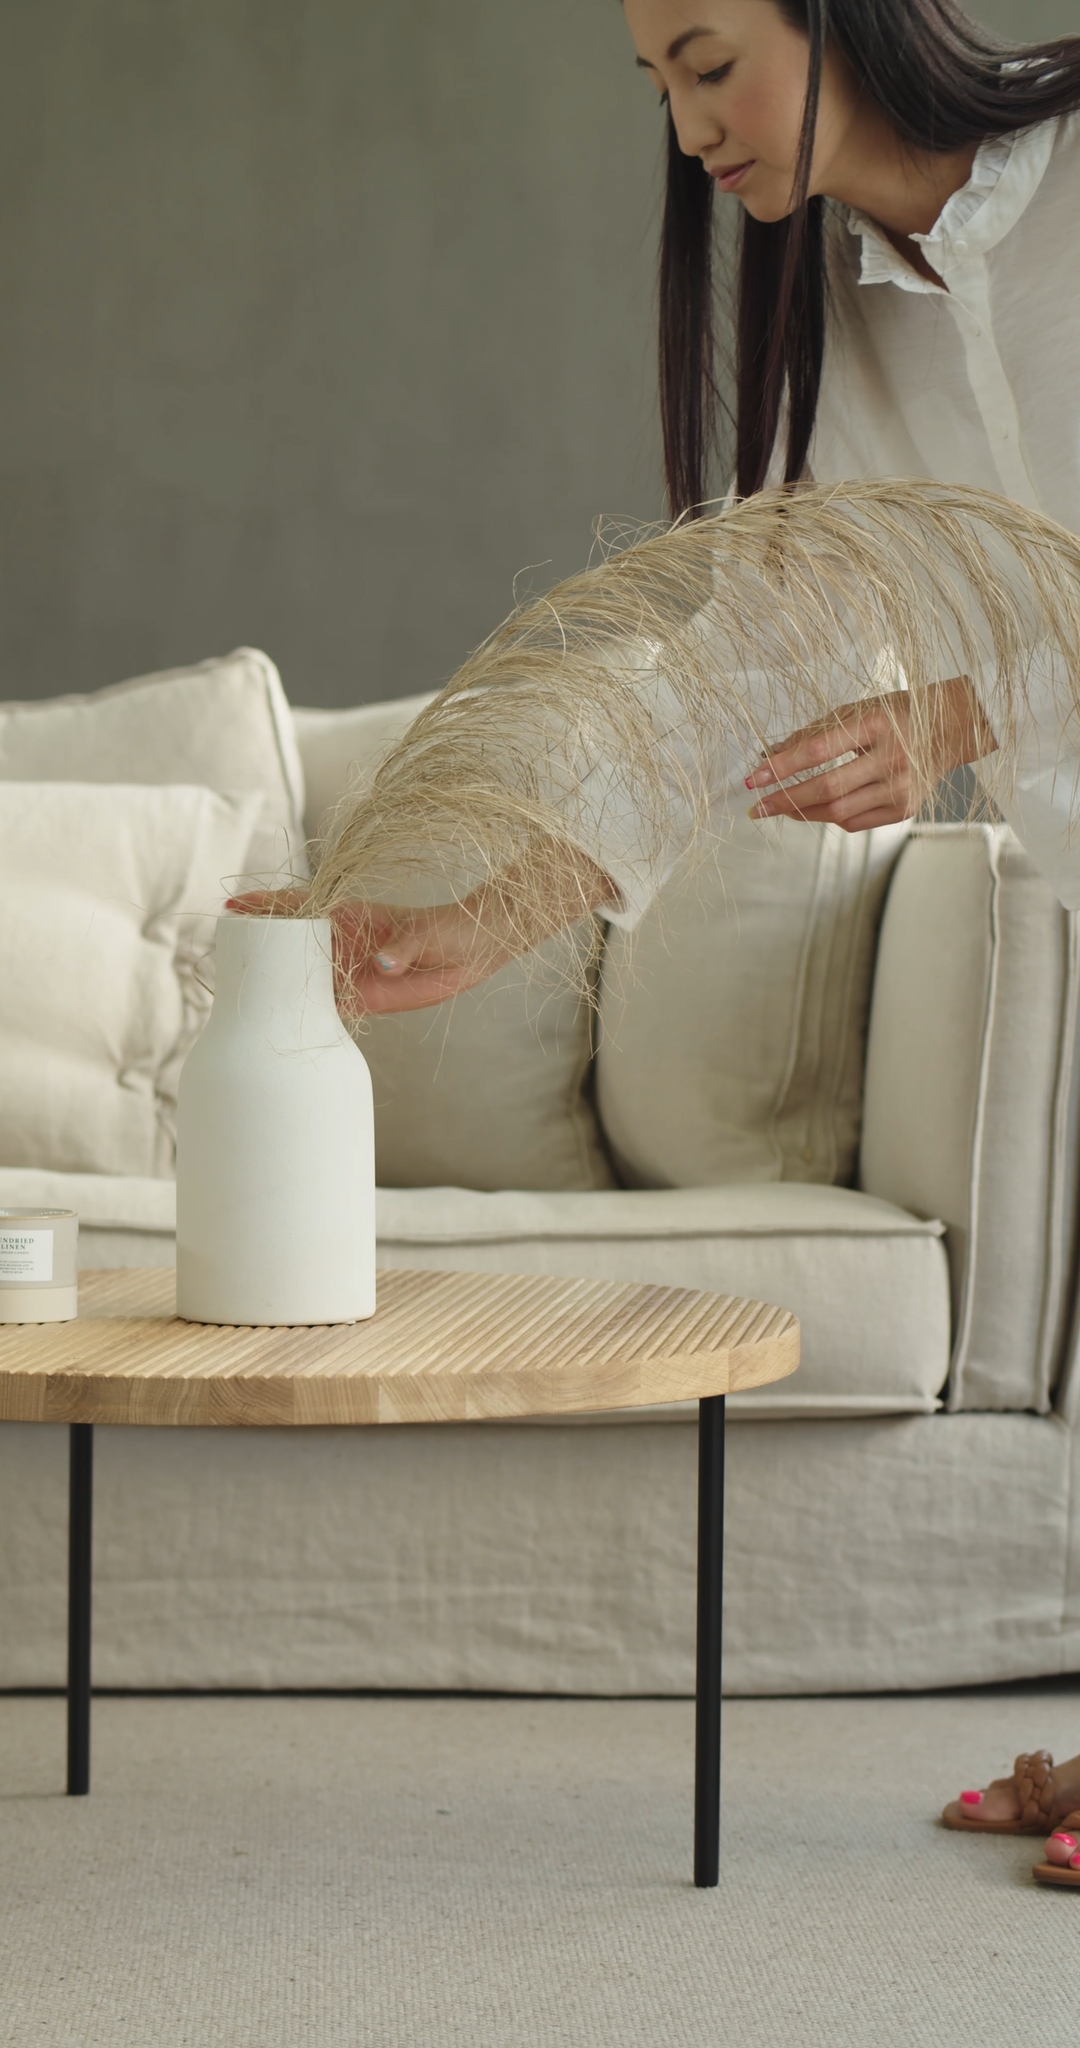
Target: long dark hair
943, 82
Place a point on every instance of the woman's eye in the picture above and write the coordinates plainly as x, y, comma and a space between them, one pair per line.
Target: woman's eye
714, 77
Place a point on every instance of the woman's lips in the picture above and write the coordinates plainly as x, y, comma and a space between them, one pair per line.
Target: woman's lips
733, 175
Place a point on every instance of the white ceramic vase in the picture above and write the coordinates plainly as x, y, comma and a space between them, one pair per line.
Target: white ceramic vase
275, 1144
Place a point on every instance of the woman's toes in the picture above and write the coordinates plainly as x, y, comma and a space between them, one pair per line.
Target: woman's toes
1062, 1848
996, 1804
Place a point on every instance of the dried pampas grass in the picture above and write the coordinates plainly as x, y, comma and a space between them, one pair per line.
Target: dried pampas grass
609, 711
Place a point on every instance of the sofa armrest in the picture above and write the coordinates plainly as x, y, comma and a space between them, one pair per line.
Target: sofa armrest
970, 1111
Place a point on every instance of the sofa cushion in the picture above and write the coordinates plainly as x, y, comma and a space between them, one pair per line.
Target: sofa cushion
971, 1106
144, 1205
224, 723
124, 1220
733, 1020
869, 1284
491, 1090
101, 989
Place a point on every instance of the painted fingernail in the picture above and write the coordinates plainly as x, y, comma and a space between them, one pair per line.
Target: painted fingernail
971, 1798
386, 962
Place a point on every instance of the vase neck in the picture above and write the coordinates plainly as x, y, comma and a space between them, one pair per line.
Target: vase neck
277, 972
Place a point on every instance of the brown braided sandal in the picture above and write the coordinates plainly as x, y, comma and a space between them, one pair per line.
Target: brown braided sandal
1038, 1797
1064, 1845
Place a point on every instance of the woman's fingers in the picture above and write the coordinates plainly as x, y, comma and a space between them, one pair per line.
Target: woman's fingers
852, 730
823, 793
867, 820
373, 994
876, 778
887, 798
881, 805
268, 902
409, 960
375, 953
835, 785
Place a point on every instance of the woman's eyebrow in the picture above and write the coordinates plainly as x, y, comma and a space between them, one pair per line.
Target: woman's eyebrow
675, 49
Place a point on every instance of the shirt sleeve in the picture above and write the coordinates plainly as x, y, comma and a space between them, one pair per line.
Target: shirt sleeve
702, 774
636, 843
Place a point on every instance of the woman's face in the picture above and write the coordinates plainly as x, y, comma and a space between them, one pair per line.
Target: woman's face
735, 73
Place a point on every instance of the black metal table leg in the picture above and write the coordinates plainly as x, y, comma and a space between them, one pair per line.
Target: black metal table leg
80, 1533
710, 1615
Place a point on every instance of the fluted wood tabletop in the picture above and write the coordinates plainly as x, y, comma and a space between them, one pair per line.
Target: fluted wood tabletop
441, 1347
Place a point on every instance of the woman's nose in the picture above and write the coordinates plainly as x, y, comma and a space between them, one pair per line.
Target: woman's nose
696, 129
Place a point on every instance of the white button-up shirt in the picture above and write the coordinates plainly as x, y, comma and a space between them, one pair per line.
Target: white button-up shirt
977, 383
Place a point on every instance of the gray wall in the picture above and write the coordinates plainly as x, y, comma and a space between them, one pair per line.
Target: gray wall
319, 320
1029, 21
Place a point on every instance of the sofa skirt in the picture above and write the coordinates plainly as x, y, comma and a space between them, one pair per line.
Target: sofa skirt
905, 1552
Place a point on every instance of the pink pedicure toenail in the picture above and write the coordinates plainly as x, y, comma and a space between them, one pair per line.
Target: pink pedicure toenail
1074, 1863
971, 1798
1069, 1840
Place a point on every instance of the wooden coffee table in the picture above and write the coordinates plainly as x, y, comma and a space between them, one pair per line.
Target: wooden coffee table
442, 1347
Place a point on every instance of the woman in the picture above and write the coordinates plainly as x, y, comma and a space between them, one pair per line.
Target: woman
905, 308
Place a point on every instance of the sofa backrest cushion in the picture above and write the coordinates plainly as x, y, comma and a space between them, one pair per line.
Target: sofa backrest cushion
109, 896
490, 1091
733, 1020
971, 1111
224, 724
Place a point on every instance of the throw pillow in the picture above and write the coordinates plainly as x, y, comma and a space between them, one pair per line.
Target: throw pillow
733, 1021
492, 1090
109, 893
224, 724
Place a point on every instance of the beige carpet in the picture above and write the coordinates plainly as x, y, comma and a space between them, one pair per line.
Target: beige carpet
325, 1873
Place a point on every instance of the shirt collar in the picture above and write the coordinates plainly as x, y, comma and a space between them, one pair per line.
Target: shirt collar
1004, 177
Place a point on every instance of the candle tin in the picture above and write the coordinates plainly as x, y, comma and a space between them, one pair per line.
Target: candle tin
39, 1265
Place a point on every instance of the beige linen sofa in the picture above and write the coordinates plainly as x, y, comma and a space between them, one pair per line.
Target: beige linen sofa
838, 1073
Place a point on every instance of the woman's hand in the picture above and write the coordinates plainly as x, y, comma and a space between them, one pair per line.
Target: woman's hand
390, 959
878, 786
386, 958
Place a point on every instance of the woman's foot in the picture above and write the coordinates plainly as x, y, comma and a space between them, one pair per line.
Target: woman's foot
1031, 1802
1061, 1855
1063, 1847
